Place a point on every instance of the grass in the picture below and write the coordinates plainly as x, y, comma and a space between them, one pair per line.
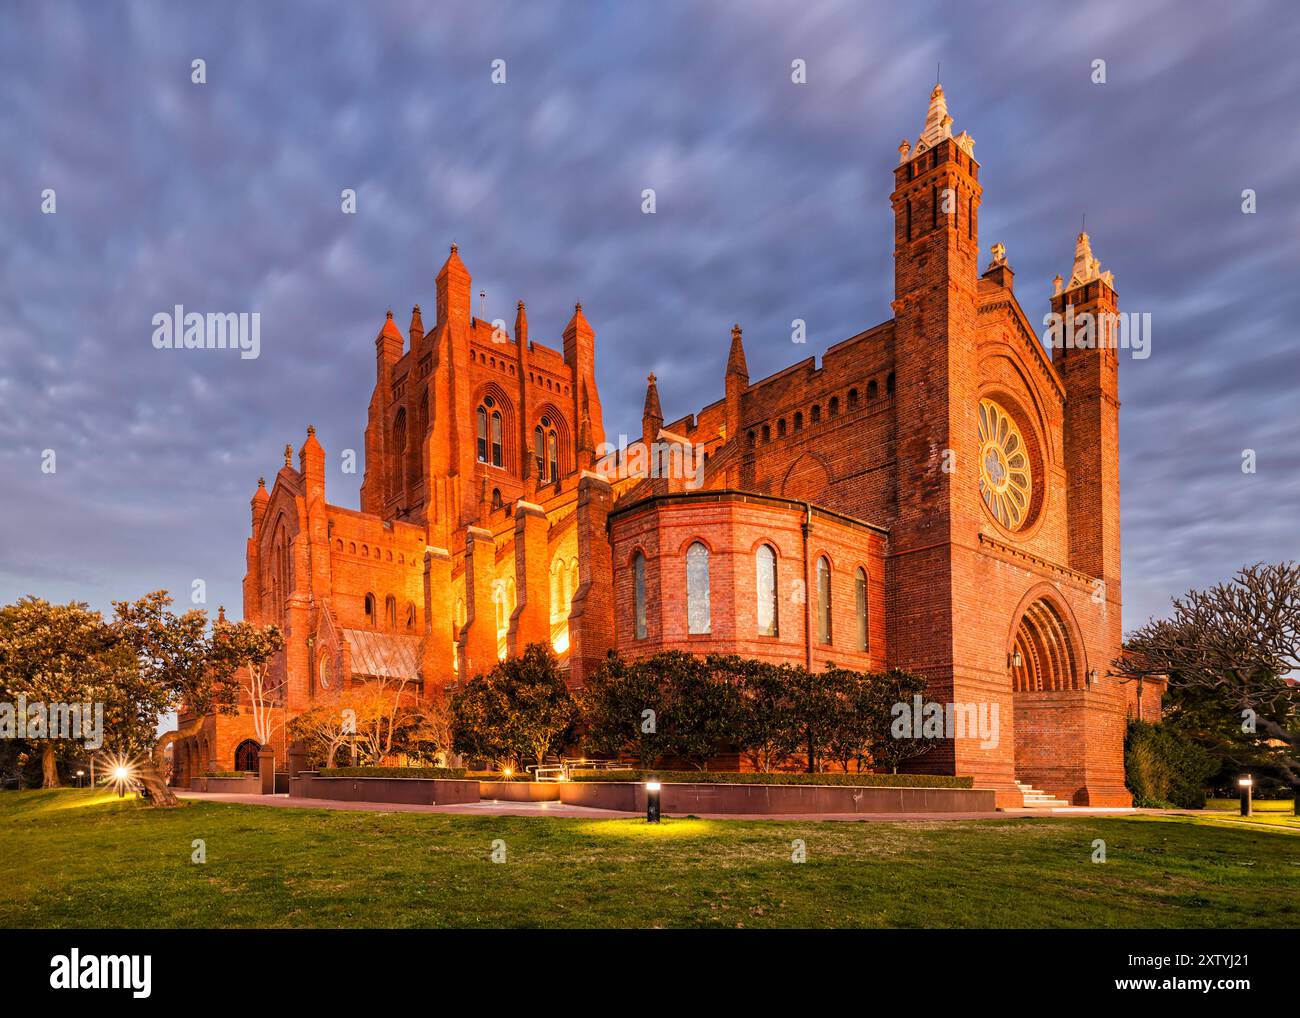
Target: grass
86, 859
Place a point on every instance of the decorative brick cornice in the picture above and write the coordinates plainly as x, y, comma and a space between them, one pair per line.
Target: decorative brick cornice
1011, 552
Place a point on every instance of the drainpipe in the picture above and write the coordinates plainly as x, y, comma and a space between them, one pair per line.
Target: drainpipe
806, 529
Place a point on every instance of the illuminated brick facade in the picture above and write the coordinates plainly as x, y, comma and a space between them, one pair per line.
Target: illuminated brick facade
957, 486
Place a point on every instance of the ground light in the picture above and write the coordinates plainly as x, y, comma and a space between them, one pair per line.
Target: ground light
1246, 783
121, 774
80, 775
652, 802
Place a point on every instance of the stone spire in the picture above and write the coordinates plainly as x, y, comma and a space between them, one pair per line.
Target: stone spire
521, 325
1086, 267
390, 329
652, 417
416, 331
938, 127
736, 358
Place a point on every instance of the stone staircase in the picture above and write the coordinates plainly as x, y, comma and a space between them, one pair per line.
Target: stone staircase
1034, 799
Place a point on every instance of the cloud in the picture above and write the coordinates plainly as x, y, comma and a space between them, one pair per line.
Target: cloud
772, 205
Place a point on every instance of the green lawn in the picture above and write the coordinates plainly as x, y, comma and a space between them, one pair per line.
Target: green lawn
83, 859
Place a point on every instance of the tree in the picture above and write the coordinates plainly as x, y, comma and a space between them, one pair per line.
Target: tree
883, 691
701, 705
385, 713
767, 728
815, 705
323, 730
852, 721
614, 706
245, 652
176, 665
56, 654
1227, 652
520, 710
429, 738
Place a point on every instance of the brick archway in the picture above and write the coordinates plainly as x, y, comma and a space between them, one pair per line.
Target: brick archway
1043, 657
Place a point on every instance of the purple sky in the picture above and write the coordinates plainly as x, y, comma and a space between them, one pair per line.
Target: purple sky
772, 205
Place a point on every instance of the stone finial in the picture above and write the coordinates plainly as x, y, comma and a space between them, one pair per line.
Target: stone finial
311, 430
221, 613
904, 147
999, 254
261, 483
1086, 268
1057, 285
454, 247
288, 455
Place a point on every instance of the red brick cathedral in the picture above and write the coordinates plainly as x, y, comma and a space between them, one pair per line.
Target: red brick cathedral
937, 494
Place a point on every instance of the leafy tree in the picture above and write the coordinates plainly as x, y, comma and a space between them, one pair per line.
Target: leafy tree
815, 700
1227, 652
520, 710
853, 719
57, 653
882, 691
701, 705
767, 727
244, 654
613, 708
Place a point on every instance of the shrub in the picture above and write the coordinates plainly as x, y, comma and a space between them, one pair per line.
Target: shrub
229, 774
779, 778
392, 772
1163, 769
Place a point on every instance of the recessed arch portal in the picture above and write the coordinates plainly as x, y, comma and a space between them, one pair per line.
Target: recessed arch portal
1043, 656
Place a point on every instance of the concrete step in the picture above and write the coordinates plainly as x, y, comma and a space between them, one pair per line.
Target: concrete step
1036, 799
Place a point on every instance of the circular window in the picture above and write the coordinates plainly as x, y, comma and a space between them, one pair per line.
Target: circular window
489, 402
1006, 481
324, 672
546, 422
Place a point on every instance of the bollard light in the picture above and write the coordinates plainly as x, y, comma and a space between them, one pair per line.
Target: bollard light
80, 775
1246, 783
652, 802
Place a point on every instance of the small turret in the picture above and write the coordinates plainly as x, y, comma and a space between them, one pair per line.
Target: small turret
652, 417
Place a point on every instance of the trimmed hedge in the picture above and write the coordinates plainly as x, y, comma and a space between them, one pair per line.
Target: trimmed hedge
454, 773
779, 778
229, 774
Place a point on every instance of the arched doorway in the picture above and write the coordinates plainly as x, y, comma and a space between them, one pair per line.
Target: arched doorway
1042, 654
246, 755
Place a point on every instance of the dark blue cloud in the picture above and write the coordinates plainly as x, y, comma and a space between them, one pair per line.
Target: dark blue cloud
772, 205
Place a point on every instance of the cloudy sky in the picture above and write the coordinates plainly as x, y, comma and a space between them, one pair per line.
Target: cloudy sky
772, 204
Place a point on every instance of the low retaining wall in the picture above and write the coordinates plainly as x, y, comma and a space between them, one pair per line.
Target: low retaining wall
520, 791
248, 785
777, 799
417, 791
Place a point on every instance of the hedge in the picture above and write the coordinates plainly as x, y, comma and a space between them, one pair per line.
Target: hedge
392, 772
779, 778
229, 774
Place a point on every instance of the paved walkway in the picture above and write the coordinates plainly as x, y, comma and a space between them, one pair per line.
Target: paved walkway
491, 807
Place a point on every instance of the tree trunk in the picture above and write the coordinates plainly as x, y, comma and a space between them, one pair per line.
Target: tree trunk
160, 794
49, 766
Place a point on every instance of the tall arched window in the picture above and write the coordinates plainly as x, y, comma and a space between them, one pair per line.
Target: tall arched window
482, 426
539, 451
638, 595
552, 454
410, 615
390, 611
823, 600
370, 609
860, 592
496, 438
765, 590
698, 618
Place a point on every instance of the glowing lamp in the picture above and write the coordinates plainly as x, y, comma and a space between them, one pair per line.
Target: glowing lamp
652, 802
1245, 782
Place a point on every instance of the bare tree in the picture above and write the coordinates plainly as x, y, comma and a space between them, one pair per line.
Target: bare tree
1236, 642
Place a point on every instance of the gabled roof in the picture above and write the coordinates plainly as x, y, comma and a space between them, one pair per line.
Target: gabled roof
384, 655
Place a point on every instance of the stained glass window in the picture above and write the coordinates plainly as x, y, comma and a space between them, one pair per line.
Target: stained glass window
698, 618
765, 590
